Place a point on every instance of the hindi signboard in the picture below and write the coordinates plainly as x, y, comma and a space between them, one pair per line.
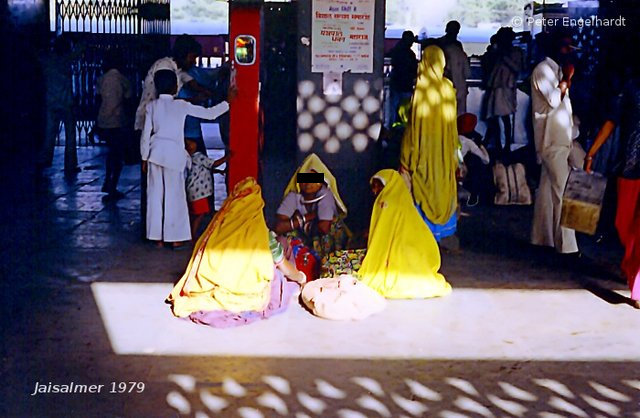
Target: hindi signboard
342, 36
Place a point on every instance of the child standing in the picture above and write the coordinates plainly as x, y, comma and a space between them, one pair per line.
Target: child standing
164, 160
200, 183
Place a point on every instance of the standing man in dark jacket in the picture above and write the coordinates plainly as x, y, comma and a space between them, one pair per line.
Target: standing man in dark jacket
56, 66
403, 73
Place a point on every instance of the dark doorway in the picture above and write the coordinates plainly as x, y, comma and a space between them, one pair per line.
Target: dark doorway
278, 93
278, 99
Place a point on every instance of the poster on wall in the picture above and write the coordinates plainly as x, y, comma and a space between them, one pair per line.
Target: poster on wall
342, 36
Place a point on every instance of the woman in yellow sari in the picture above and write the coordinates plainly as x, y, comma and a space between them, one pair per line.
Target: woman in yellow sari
430, 143
403, 258
231, 278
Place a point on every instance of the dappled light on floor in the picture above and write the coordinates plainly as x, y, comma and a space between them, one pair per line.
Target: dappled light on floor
363, 396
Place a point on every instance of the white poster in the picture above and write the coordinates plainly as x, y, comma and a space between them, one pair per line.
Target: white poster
342, 36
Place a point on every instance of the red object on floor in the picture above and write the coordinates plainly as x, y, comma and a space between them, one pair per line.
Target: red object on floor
307, 263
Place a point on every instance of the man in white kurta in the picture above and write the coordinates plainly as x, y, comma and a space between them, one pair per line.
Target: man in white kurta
552, 128
163, 151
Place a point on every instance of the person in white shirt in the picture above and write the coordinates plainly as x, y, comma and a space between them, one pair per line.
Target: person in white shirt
552, 129
164, 160
478, 176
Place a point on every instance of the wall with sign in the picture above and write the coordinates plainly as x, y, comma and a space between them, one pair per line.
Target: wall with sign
340, 81
342, 33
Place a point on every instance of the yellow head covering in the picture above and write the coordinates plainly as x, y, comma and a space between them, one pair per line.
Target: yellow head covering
403, 257
313, 162
231, 267
430, 141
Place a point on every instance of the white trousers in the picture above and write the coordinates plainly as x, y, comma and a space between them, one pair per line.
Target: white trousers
167, 210
546, 230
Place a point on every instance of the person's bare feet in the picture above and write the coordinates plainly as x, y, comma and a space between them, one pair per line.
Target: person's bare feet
159, 244
179, 245
301, 278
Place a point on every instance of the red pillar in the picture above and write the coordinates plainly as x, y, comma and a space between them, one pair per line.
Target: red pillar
244, 126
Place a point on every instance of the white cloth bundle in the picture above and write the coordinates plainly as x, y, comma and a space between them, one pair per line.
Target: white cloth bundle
342, 298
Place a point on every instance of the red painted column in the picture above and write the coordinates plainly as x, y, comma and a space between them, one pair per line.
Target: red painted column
244, 127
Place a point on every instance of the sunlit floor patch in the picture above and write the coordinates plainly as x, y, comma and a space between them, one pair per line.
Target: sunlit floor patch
480, 324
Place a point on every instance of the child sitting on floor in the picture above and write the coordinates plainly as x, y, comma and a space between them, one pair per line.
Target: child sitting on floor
164, 160
200, 183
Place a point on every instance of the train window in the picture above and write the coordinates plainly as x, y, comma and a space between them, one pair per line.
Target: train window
245, 49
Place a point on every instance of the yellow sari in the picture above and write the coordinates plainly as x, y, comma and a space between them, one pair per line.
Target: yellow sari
430, 140
231, 267
313, 162
403, 258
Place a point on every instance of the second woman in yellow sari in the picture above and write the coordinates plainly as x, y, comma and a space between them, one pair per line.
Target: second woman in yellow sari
403, 258
430, 143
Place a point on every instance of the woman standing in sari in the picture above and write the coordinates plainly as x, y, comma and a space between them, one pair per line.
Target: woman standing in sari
430, 143
236, 274
403, 258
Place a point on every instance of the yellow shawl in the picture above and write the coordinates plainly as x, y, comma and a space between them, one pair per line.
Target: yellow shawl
313, 162
430, 141
403, 258
231, 267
